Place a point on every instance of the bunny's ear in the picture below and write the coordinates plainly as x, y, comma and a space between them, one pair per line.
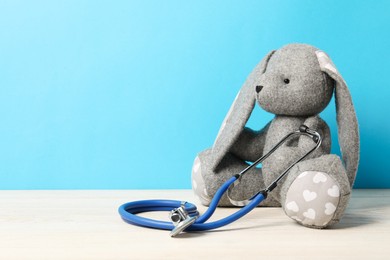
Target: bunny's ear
238, 114
348, 130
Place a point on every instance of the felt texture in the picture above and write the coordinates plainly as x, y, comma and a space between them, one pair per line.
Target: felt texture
238, 114
295, 83
348, 129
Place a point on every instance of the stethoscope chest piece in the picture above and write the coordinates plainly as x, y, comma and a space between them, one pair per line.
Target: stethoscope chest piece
181, 220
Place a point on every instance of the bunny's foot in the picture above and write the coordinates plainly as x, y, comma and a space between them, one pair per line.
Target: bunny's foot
312, 199
317, 198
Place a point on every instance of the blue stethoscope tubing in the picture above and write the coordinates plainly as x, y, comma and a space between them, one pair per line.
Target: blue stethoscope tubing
129, 210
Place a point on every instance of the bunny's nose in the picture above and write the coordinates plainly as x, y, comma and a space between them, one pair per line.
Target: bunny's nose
259, 88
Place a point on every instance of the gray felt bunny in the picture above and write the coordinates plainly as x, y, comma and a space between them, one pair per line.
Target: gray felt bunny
295, 83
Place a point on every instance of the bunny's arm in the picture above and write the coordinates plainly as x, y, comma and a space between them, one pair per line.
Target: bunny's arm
249, 145
316, 123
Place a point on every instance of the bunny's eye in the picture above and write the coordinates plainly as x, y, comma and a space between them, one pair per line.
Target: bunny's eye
286, 81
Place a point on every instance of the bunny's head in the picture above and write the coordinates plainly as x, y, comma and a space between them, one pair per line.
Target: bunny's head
296, 80
293, 83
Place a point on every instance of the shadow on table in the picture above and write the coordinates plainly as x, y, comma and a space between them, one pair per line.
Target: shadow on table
365, 211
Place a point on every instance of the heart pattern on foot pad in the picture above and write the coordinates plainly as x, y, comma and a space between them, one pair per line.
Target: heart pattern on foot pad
312, 198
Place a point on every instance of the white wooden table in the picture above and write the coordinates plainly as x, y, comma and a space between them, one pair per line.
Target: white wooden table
85, 224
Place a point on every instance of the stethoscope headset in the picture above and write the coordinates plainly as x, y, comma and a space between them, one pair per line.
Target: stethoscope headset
184, 215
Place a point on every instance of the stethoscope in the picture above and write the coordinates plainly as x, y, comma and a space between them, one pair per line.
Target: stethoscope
184, 215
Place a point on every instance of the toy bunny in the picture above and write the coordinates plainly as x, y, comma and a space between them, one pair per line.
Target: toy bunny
295, 83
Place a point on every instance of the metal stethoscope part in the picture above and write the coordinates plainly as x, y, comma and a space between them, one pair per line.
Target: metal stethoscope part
184, 215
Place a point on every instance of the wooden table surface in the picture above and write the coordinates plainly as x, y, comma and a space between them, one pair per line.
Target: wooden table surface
84, 224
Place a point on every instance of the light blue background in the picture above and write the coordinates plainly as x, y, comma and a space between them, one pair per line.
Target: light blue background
122, 94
